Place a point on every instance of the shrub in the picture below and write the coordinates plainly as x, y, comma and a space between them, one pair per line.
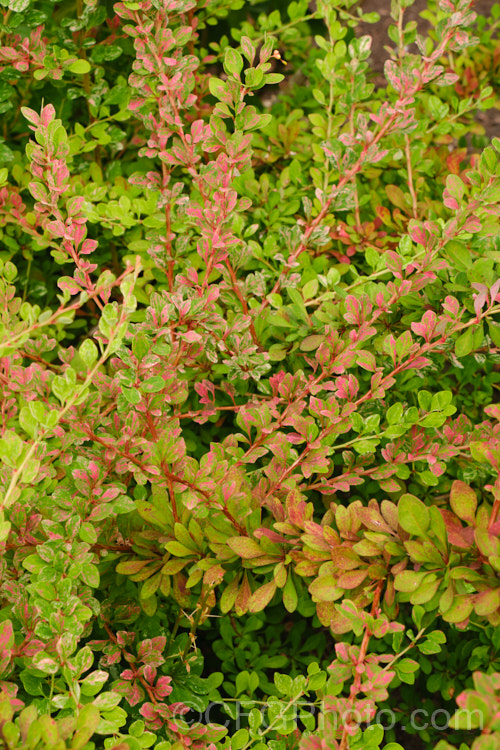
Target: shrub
250, 443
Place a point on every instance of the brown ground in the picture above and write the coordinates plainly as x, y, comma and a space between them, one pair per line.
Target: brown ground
379, 30
491, 119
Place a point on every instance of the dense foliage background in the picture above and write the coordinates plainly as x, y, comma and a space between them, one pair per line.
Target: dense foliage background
249, 375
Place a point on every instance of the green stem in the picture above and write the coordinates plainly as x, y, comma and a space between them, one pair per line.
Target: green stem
58, 313
52, 682
276, 32
9, 497
174, 631
404, 651
195, 624
275, 721
28, 271
5, 22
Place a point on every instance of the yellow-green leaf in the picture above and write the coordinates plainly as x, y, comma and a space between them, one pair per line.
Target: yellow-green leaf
80, 67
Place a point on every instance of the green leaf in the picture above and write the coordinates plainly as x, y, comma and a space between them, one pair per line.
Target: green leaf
424, 400
278, 352
463, 501
87, 722
254, 78
141, 345
366, 446
239, 739
298, 303
184, 537
459, 254
90, 575
429, 647
107, 701
132, 395
325, 589
94, 682
261, 597
154, 384
178, 549
290, 597
311, 343
438, 529
310, 289
11, 448
284, 683
426, 591
131, 567
88, 353
136, 729
45, 663
479, 451
494, 332
28, 418
80, 67
487, 602
30, 471
217, 87
408, 581
460, 609
413, 516
49, 731
373, 735
229, 595
149, 605
248, 48
17, 6
105, 53
34, 563
465, 343
405, 670
151, 585
471, 719
272, 78
88, 533
441, 400
394, 413
455, 186
31, 683
245, 547
255, 719
233, 62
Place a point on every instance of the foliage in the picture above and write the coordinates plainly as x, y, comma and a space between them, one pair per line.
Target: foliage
249, 373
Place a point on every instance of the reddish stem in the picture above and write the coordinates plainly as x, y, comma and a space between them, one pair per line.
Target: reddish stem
356, 685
